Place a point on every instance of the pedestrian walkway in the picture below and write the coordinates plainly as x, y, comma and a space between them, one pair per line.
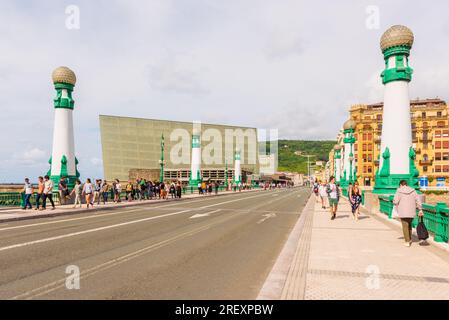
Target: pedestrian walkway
347, 259
17, 214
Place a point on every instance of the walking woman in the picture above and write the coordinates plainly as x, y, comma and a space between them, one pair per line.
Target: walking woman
88, 190
77, 191
406, 201
355, 197
323, 195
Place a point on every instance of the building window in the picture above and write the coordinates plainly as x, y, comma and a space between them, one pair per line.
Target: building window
370, 169
445, 144
437, 144
424, 168
364, 147
446, 156
439, 114
438, 156
446, 133
423, 114
437, 168
370, 158
441, 124
370, 147
437, 134
445, 168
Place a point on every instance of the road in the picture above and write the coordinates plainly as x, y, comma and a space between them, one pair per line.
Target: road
208, 248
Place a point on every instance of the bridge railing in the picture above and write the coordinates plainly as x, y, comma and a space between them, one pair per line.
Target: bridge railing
436, 217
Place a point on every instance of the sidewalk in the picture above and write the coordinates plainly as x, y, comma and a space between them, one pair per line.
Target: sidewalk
17, 214
345, 259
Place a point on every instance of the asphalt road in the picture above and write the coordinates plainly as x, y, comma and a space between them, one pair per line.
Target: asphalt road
210, 248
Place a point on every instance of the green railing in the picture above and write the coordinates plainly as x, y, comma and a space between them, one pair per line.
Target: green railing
436, 217
17, 199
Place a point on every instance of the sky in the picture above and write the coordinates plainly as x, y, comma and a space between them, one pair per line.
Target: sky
296, 66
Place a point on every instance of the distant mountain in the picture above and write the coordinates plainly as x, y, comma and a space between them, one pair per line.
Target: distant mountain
291, 154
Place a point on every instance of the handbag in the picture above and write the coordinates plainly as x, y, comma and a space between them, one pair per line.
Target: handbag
421, 230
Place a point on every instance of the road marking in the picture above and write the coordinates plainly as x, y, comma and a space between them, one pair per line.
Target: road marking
275, 195
90, 231
50, 287
266, 217
102, 215
112, 226
217, 204
202, 215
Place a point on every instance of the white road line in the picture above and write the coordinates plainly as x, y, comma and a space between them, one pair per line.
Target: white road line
114, 262
203, 215
217, 204
19, 245
112, 226
98, 215
266, 217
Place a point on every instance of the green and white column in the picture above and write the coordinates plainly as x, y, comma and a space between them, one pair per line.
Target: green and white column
195, 169
397, 161
348, 160
337, 165
237, 167
63, 162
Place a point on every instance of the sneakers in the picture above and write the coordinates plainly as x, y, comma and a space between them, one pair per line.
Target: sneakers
407, 244
333, 217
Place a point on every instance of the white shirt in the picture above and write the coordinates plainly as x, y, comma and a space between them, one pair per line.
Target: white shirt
48, 186
28, 188
333, 194
87, 188
322, 191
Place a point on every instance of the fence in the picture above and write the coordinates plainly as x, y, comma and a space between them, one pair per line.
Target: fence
436, 217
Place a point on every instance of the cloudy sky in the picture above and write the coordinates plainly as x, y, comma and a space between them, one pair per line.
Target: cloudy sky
292, 65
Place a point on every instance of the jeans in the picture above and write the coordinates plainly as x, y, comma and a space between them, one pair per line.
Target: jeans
48, 196
38, 198
105, 197
27, 203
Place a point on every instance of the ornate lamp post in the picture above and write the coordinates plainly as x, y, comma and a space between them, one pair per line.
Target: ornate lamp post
349, 140
63, 162
398, 157
337, 166
226, 175
162, 161
195, 170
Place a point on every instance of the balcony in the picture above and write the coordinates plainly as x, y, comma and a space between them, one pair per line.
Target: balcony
427, 162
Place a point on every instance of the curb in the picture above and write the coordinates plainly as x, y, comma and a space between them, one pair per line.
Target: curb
278, 277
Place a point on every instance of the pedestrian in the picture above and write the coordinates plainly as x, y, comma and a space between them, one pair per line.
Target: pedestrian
209, 189
143, 189
77, 191
173, 190
48, 193
163, 191
28, 193
316, 186
323, 195
217, 186
40, 192
406, 201
129, 191
97, 192
333, 195
63, 191
178, 190
355, 198
117, 191
88, 190
105, 188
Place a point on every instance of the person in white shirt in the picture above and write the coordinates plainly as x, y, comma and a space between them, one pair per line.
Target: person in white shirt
88, 191
48, 193
323, 194
334, 196
28, 191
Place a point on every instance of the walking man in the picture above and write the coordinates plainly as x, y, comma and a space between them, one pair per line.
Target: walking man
63, 190
333, 192
48, 193
28, 191
40, 192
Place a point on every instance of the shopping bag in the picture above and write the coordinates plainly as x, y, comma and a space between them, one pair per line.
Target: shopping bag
394, 213
421, 230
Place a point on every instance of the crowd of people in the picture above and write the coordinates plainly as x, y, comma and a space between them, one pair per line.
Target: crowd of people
101, 191
330, 193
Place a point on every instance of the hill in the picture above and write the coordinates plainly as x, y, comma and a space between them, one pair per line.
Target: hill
291, 154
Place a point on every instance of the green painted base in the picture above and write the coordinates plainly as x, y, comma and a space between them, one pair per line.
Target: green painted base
195, 182
70, 181
389, 184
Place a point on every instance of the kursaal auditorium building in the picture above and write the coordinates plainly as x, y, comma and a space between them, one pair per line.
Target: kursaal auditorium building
138, 148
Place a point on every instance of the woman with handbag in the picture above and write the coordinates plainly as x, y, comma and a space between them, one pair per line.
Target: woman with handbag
355, 197
406, 201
